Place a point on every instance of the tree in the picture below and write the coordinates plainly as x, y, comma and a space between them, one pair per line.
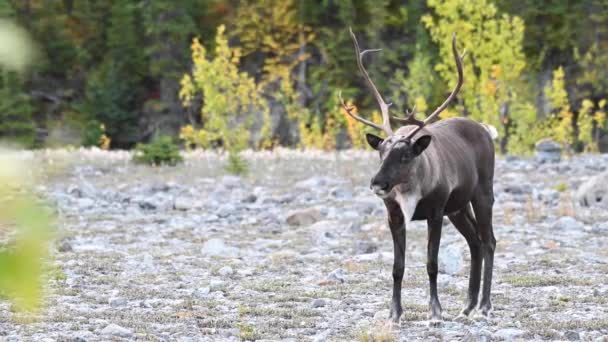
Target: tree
494, 61
231, 99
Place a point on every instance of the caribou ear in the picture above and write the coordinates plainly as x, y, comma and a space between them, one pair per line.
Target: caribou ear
421, 144
373, 140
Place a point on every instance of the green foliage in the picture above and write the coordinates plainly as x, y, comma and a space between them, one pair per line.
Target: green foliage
162, 151
494, 62
236, 164
16, 122
108, 61
21, 212
231, 100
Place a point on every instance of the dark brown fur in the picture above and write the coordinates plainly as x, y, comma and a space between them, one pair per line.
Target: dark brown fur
447, 168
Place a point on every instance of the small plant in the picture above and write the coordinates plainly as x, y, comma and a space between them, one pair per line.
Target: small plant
162, 151
236, 164
561, 187
248, 332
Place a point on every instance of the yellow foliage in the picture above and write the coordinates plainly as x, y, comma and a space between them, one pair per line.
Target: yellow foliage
232, 99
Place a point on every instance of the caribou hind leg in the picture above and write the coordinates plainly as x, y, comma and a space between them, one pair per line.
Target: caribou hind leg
482, 202
466, 225
397, 226
434, 238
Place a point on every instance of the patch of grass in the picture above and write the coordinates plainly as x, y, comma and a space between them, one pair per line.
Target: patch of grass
376, 334
561, 187
591, 325
248, 332
543, 280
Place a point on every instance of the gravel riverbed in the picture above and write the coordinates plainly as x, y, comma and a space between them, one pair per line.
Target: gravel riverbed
298, 250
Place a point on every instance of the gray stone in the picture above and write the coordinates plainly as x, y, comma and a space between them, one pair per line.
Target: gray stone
319, 303
568, 223
337, 275
226, 210
182, 203
117, 301
509, 334
304, 217
201, 292
116, 330
451, 259
365, 247
341, 193
86, 203
64, 246
572, 335
217, 247
226, 271
251, 198
594, 191
548, 151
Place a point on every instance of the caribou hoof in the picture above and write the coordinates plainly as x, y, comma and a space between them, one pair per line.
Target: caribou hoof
435, 323
481, 316
462, 318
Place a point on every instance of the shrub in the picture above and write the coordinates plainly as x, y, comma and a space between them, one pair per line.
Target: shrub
159, 152
236, 164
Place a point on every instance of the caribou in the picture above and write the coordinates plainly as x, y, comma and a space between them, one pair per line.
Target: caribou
429, 170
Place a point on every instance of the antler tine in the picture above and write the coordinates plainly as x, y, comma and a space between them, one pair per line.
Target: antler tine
386, 125
410, 119
348, 111
458, 59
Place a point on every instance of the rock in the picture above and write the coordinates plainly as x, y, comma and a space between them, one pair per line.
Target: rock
594, 191
568, 223
85, 203
225, 271
319, 303
572, 335
509, 334
312, 183
451, 260
117, 301
365, 247
518, 189
116, 330
64, 246
304, 217
548, 151
251, 198
231, 182
338, 275
202, 292
341, 193
217, 247
226, 210
182, 203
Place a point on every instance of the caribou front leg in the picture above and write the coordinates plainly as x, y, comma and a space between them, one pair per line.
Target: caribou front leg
397, 226
434, 238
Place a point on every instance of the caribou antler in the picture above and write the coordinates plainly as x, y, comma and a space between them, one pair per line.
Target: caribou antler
386, 125
412, 120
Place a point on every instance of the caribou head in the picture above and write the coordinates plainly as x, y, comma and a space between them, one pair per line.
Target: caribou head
398, 150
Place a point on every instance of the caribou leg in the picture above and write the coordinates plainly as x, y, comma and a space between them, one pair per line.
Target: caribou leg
397, 226
466, 225
434, 238
482, 205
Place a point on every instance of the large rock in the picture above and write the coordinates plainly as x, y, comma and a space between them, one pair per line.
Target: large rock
548, 151
116, 330
303, 217
451, 259
217, 247
568, 223
594, 191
